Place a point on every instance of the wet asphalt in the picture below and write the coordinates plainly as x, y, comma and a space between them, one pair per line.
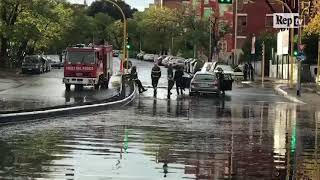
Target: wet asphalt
251, 133
34, 91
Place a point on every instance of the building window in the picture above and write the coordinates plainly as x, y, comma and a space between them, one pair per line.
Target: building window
269, 20
242, 23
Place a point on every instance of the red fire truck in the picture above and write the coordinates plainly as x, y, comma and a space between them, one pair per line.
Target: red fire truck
88, 66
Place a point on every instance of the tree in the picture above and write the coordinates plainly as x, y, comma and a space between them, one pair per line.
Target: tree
313, 27
159, 26
311, 49
29, 26
270, 41
108, 8
116, 34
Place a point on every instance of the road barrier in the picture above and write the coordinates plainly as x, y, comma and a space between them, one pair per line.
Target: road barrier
119, 100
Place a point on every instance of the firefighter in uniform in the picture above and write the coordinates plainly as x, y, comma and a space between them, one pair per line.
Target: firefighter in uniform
134, 77
155, 76
170, 79
220, 76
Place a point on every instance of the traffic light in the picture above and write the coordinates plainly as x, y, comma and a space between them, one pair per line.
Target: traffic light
295, 53
225, 1
128, 42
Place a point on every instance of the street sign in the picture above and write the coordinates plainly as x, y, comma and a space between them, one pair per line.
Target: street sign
301, 57
301, 47
285, 20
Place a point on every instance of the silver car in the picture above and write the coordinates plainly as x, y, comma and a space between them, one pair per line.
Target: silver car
204, 82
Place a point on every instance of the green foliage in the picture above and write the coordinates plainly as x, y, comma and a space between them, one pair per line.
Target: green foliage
311, 48
313, 27
108, 8
270, 41
49, 26
31, 26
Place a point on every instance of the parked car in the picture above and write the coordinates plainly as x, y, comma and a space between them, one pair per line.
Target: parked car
34, 64
204, 82
165, 61
116, 53
227, 69
56, 63
47, 63
187, 65
140, 55
178, 62
160, 59
207, 67
238, 74
149, 57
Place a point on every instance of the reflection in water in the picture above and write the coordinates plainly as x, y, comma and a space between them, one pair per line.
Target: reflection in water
262, 141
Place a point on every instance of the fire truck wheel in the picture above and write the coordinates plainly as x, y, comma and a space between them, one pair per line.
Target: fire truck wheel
78, 87
68, 87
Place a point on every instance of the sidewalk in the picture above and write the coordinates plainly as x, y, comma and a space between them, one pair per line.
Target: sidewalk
4, 73
309, 93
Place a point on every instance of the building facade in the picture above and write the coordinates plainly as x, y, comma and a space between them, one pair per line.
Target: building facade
253, 17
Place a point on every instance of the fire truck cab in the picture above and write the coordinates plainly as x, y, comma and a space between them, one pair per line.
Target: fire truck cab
88, 66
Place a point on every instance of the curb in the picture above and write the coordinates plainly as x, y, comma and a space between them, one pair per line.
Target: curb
41, 114
286, 95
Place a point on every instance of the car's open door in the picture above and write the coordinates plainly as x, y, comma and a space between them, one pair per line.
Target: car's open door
227, 82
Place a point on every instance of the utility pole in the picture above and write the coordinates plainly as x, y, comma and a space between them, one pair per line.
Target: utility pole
210, 40
235, 31
263, 62
318, 67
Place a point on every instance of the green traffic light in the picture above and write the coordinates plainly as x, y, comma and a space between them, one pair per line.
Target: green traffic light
225, 1
295, 53
128, 46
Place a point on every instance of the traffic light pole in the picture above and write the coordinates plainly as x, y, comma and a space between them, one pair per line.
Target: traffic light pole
300, 49
235, 32
299, 65
124, 35
318, 68
263, 62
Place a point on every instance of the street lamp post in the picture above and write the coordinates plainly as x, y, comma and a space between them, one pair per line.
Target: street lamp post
124, 58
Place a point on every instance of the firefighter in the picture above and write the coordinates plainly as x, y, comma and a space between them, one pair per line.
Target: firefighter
220, 77
251, 70
155, 76
134, 77
170, 79
245, 71
178, 77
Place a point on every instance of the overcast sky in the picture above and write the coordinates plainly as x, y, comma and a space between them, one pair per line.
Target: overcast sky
139, 4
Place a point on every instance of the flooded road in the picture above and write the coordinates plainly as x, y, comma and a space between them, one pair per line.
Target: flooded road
187, 138
250, 134
34, 91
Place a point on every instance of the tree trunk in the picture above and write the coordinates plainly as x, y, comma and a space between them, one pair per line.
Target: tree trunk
3, 51
20, 53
